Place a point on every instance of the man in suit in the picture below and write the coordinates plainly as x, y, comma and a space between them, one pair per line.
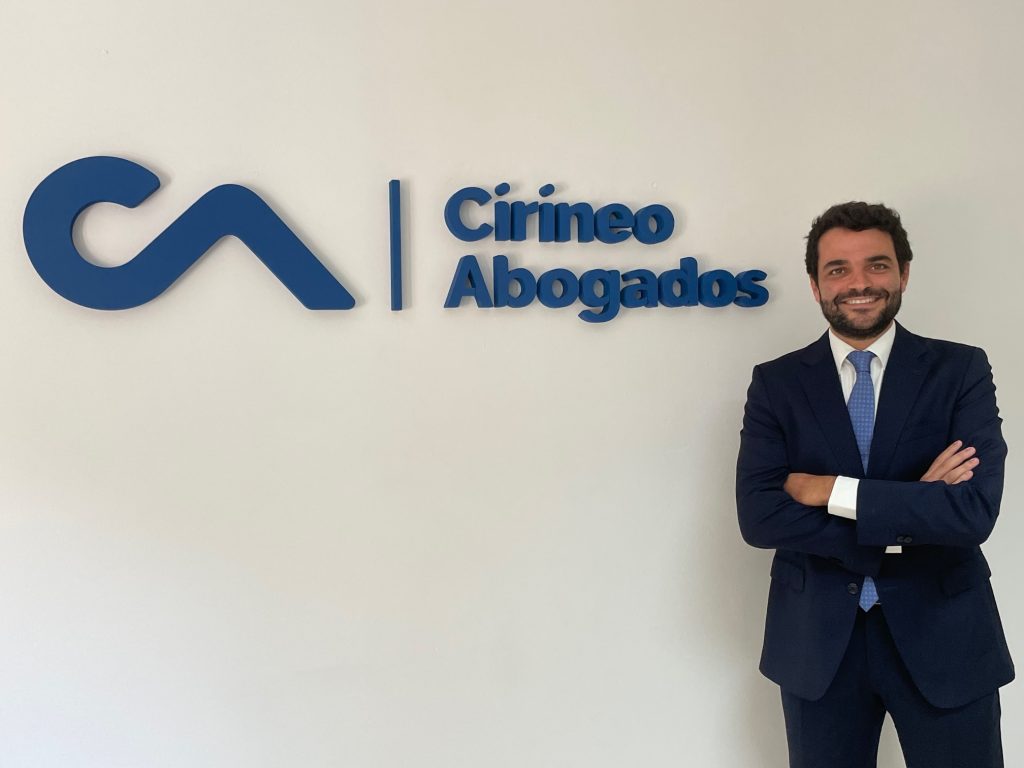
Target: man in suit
872, 462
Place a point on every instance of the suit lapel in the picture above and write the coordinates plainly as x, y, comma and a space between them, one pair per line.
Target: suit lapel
820, 381
904, 374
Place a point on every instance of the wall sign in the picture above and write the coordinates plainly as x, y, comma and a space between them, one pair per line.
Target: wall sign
225, 210
602, 291
472, 214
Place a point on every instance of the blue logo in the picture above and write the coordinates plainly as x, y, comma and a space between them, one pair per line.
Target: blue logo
225, 210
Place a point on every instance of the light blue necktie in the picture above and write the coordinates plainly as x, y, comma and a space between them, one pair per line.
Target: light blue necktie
862, 415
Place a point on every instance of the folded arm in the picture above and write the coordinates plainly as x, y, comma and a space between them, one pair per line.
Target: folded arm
960, 514
943, 507
768, 516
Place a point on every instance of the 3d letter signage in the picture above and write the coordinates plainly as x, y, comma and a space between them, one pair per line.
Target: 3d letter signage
471, 215
225, 210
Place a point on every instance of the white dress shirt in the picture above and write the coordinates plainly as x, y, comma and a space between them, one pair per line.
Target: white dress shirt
843, 500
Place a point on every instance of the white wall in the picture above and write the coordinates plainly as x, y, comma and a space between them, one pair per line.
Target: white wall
234, 532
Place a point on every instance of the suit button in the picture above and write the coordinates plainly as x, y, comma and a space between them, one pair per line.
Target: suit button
901, 539
853, 588
907, 539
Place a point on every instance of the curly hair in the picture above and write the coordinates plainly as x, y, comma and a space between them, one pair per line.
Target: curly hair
858, 216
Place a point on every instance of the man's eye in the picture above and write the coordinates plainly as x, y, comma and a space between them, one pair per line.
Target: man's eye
836, 271
880, 266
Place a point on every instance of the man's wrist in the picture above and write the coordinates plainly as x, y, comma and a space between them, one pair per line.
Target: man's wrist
812, 490
827, 483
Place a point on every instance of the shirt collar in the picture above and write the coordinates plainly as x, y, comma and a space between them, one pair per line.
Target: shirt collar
881, 346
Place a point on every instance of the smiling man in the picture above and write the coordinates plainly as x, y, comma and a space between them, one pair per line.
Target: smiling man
872, 462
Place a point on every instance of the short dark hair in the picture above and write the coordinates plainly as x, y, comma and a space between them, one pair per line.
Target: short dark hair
858, 217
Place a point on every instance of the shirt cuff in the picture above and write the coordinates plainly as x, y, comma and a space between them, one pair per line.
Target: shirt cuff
842, 502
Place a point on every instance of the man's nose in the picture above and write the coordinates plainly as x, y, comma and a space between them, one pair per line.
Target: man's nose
859, 280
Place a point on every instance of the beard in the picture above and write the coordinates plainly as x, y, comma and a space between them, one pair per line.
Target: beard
845, 326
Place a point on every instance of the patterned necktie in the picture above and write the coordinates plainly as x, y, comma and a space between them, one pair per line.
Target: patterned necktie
862, 415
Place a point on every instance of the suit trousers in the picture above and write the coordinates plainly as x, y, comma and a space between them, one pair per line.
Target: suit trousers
842, 729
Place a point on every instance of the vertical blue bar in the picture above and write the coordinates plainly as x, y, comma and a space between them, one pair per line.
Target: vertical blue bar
395, 205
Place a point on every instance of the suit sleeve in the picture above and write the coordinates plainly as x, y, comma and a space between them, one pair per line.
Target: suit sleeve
962, 515
768, 516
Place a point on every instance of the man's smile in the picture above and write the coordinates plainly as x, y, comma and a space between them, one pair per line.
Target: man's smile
861, 313
861, 301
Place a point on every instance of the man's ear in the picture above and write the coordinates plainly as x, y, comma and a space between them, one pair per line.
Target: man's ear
904, 277
814, 288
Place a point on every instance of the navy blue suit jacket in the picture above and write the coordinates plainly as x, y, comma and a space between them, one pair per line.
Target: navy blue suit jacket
936, 595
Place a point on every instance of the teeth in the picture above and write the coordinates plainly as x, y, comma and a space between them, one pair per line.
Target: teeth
859, 301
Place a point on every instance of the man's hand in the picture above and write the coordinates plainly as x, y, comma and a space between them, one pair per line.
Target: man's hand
812, 490
953, 465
